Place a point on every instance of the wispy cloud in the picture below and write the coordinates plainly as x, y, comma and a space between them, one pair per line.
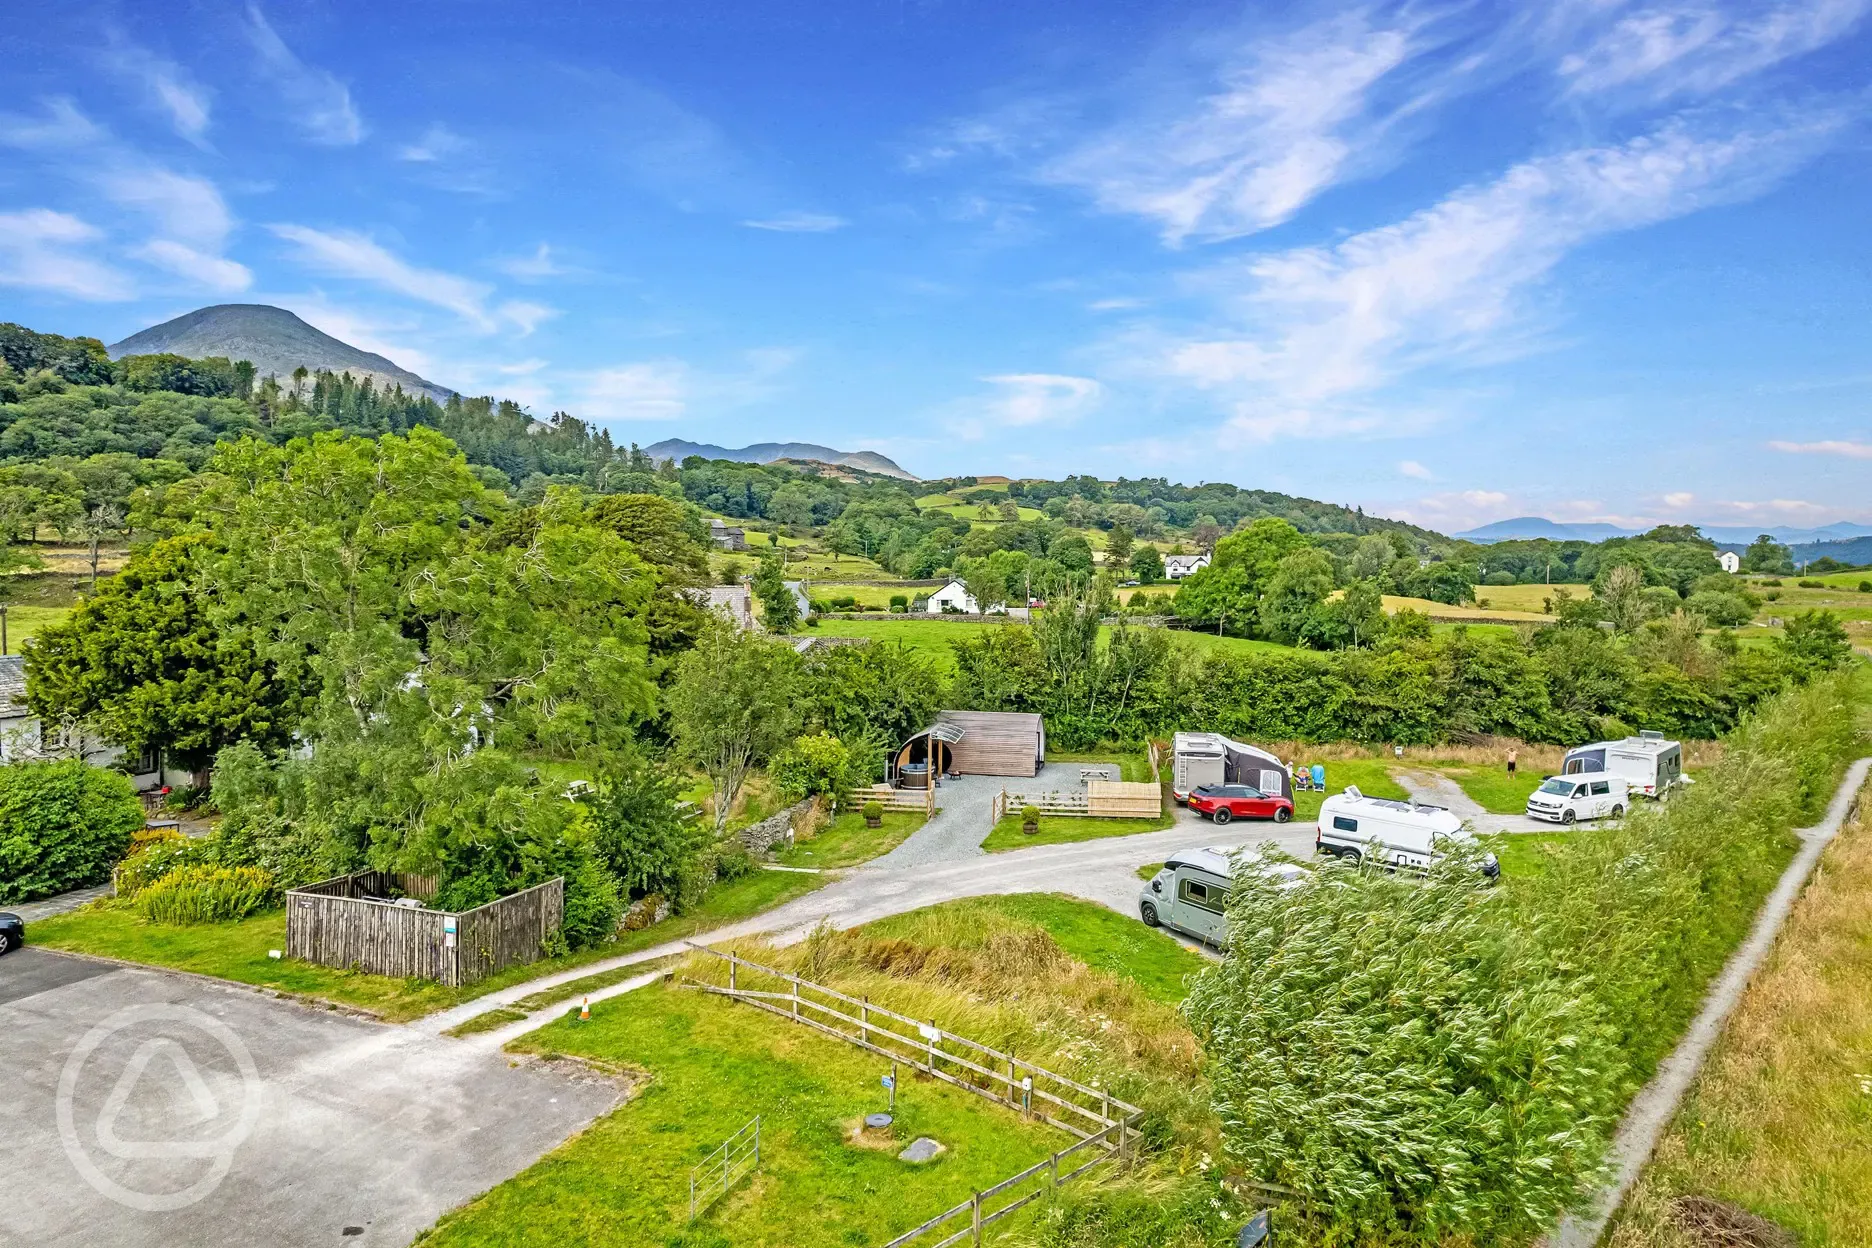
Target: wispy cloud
182, 206
1668, 50
1280, 121
61, 126
45, 250
1411, 468
321, 103
438, 142
648, 390
201, 268
1847, 450
799, 223
1322, 325
536, 267
166, 85
347, 254
1041, 398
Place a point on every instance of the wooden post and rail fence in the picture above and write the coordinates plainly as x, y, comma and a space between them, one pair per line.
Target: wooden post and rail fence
1105, 1127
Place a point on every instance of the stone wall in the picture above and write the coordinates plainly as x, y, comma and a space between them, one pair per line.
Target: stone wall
774, 830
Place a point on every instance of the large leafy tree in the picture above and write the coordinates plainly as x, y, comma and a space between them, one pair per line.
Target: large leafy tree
145, 663
735, 704
1813, 642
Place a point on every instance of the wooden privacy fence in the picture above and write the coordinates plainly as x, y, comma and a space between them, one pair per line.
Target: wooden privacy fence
1101, 799
341, 922
1106, 1127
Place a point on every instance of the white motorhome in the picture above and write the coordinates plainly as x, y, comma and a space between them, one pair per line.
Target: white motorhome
1648, 763
1589, 795
1402, 834
1206, 758
1190, 893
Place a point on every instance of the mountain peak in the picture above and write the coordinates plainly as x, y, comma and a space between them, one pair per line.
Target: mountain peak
767, 452
275, 340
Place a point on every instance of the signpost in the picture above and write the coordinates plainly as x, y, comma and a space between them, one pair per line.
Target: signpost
890, 1085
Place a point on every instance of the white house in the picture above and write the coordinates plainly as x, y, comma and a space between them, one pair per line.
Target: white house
1730, 561
23, 737
954, 597
1176, 567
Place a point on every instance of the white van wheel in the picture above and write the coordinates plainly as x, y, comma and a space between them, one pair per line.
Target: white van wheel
1351, 857
1567, 816
1618, 812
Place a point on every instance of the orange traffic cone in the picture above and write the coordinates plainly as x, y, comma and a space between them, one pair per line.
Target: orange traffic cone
585, 1010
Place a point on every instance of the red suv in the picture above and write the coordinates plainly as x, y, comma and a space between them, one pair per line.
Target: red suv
1223, 802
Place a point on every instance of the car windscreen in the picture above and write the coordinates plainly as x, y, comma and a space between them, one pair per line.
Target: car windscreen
1557, 786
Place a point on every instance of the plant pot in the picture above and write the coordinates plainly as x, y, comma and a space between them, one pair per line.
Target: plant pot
1030, 828
874, 823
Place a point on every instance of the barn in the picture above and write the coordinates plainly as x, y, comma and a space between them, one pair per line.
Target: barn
972, 743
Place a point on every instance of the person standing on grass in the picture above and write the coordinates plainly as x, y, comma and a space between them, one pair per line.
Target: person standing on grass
1511, 760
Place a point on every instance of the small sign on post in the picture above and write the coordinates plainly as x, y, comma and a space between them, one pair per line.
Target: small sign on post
890, 1085
928, 1032
448, 931
1256, 1232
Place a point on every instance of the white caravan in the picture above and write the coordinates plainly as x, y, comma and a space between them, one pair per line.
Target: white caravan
1647, 763
1403, 834
1190, 894
1588, 795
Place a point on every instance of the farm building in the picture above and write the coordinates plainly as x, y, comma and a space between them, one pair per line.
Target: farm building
972, 743
1176, 567
727, 536
955, 597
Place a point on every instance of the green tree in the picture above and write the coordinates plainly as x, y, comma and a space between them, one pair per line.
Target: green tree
1258, 550
779, 609
63, 825
1764, 554
1219, 596
144, 663
641, 827
1621, 598
1147, 565
816, 764
1812, 643
734, 704
1118, 546
1300, 583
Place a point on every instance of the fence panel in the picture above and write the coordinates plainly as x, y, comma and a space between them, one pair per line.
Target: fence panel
336, 923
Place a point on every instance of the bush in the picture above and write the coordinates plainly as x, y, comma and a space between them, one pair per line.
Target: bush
641, 828
873, 811
1725, 610
1775, 582
1030, 814
815, 764
205, 894
157, 859
901, 602
1865, 587
63, 825
1812, 584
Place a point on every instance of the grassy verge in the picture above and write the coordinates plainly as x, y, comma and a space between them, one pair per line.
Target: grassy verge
846, 841
1149, 870
1371, 776
1498, 792
1060, 829
1102, 939
1525, 855
1780, 1120
238, 951
714, 1065
487, 1022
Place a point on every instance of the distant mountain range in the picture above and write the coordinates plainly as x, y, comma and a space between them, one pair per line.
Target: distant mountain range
277, 343
768, 452
1529, 527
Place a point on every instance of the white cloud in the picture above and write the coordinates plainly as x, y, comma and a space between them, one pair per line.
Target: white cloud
1281, 120
1694, 49
534, 268
183, 207
1041, 398
322, 103
649, 390
1411, 468
63, 126
524, 315
214, 272
346, 254
1680, 499
1319, 324
438, 142
1850, 450
168, 87
43, 250
799, 223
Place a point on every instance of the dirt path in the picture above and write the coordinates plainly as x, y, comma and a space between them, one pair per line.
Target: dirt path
1652, 1109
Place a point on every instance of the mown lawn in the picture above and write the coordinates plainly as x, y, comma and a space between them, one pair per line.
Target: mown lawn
24, 621
1492, 787
1524, 855
1060, 829
238, 951
1132, 767
846, 841
712, 1066
1101, 938
935, 638
1371, 776
1780, 1120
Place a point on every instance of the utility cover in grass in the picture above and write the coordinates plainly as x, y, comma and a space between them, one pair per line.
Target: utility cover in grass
921, 1149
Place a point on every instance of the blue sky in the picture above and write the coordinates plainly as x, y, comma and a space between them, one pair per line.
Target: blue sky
1453, 262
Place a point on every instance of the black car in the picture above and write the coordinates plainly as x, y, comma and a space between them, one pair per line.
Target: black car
12, 932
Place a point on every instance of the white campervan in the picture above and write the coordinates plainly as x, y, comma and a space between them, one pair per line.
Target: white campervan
1403, 834
1588, 795
1648, 763
1189, 894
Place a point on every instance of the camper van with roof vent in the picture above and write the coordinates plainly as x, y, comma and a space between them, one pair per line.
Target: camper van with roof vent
1401, 834
1647, 763
1190, 894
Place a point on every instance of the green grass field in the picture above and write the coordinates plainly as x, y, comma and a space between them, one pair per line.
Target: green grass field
1497, 791
1523, 855
713, 1065
1061, 829
1132, 767
238, 951
1101, 938
23, 622
846, 841
935, 638
1371, 775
